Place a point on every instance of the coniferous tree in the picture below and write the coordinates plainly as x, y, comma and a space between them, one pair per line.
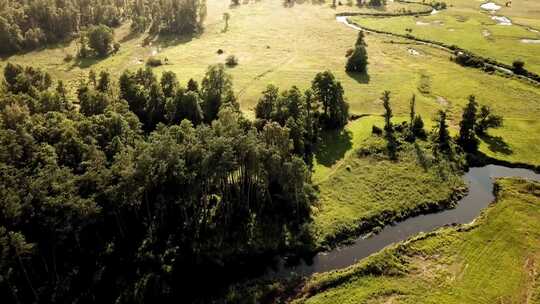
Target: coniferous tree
441, 136
467, 137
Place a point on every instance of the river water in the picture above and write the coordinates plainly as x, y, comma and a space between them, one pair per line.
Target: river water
480, 183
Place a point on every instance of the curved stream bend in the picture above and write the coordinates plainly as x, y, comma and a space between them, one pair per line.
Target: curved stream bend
480, 182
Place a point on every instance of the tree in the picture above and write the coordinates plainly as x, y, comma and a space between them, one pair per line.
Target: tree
357, 62
265, 107
329, 93
387, 112
226, 17
100, 39
467, 137
216, 86
169, 84
391, 141
441, 135
104, 83
192, 85
485, 120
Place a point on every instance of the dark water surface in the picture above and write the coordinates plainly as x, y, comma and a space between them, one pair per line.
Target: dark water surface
480, 183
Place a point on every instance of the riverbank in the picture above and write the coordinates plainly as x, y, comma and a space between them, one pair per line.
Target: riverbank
499, 252
370, 191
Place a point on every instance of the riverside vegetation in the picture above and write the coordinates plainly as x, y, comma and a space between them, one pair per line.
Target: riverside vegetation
133, 185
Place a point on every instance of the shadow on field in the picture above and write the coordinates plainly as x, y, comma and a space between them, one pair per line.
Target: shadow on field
359, 77
333, 146
497, 144
84, 63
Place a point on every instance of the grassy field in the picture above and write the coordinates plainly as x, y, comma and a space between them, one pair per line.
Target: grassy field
366, 191
270, 50
470, 29
494, 260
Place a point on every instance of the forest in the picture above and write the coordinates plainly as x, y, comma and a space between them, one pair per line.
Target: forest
29, 24
269, 151
149, 185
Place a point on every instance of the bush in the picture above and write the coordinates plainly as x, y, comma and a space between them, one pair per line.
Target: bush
220, 51
518, 66
116, 47
68, 58
349, 52
154, 62
231, 61
376, 130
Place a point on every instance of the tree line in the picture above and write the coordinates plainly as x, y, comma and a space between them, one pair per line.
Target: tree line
26, 25
474, 124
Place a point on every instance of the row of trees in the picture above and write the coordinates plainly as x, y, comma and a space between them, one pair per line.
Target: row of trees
473, 124
123, 199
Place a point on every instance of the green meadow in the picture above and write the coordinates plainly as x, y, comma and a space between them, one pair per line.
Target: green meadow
493, 260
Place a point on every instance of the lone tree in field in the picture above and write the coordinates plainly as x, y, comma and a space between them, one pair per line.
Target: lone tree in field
467, 137
100, 39
226, 17
357, 62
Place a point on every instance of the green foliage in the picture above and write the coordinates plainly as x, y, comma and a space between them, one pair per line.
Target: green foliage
467, 137
216, 90
329, 94
485, 120
231, 61
441, 135
444, 266
94, 208
100, 39
358, 59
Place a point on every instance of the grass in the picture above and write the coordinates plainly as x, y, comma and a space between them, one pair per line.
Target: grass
494, 260
270, 50
470, 28
366, 191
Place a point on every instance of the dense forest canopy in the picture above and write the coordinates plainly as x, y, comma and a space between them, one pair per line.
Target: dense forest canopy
28, 24
145, 189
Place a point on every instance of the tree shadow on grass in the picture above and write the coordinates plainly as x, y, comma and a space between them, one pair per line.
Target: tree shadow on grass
497, 144
333, 146
359, 77
84, 63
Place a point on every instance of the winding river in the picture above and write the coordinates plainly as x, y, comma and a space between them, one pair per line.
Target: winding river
480, 183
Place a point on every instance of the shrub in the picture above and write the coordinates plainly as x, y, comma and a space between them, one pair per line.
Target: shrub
376, 130
231, 61
68, 58
116, 47
220, 51
518, 66
154, 62
349, 52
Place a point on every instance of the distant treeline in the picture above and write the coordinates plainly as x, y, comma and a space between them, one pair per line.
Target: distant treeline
26, 25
